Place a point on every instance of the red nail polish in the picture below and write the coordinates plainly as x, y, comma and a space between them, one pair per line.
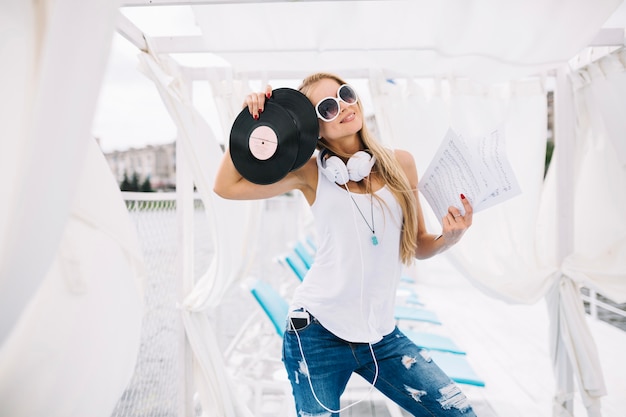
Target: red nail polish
256, 117
268, 95
260, 111
462, 197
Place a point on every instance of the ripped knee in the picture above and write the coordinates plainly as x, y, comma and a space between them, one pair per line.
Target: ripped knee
452, 397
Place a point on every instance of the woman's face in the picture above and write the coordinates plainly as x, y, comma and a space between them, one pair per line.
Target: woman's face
350, 119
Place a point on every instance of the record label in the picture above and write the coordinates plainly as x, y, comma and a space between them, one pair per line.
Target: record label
264, 150
263, 143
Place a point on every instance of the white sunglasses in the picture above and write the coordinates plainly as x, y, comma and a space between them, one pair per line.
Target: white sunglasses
327, 108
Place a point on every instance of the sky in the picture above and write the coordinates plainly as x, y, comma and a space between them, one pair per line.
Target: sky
130, 112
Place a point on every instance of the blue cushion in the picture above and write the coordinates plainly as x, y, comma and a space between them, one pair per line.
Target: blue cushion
297, 266
457, 368
304, 254
273, 304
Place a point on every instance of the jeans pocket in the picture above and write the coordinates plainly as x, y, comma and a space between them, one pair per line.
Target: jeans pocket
298, 321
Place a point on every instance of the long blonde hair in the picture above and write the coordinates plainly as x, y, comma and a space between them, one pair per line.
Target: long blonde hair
387, 167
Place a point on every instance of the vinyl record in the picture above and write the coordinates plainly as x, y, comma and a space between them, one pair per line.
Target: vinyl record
303, 114
264, 150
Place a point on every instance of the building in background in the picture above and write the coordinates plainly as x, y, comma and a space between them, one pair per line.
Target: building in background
157, 163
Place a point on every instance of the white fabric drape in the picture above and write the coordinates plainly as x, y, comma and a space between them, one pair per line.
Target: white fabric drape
599, 257
82, 326
571, 340
70, 265
228, 94
232, 222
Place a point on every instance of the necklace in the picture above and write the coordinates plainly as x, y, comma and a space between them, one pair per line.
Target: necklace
374, 238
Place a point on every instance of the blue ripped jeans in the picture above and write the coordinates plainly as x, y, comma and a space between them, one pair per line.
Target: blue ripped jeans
416, 384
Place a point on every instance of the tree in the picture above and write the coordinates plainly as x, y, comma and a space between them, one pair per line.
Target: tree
126, 185
146, 186
134, 182
549, 152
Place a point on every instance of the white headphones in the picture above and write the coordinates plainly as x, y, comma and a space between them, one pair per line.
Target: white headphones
358, 167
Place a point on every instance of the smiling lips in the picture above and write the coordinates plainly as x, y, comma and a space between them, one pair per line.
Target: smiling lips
348, 118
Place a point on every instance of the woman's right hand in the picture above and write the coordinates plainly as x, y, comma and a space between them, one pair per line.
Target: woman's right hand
256, 102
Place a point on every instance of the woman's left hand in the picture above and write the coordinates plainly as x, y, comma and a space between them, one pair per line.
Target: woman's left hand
455, 223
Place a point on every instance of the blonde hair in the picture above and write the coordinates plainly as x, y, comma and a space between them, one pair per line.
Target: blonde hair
389, 170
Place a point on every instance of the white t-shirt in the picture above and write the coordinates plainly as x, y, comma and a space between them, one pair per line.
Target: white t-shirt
351, 286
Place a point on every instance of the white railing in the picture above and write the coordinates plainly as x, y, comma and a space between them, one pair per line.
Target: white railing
154, 389
612, 314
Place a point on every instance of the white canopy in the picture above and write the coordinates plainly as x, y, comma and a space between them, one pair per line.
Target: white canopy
481, 39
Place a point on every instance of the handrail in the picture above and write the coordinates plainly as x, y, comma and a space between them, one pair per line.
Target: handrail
594, 303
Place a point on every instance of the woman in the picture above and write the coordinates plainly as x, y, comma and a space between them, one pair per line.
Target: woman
368, 224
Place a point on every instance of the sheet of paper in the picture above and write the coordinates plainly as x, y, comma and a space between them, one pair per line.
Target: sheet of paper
501, 178
479, 169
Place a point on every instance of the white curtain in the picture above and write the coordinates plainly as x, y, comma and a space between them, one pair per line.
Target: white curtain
233, 226
228, 93
599, 257
70, 265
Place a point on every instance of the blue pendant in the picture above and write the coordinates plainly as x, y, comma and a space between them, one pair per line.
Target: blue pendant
374, 240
